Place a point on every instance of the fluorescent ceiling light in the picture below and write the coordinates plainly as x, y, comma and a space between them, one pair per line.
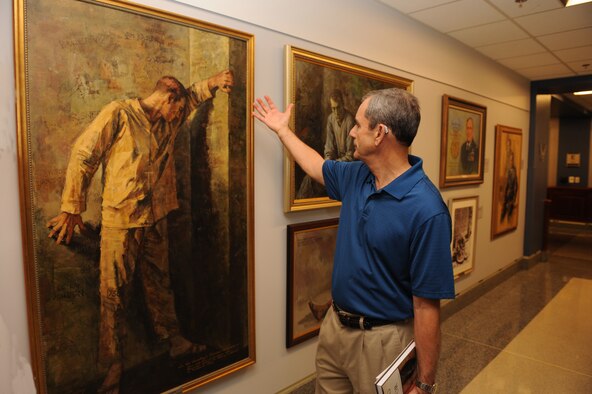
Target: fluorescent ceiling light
569, 3
583, 93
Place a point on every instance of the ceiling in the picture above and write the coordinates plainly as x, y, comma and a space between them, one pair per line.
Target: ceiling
538, 39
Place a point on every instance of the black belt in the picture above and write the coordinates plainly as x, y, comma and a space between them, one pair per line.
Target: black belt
357, 321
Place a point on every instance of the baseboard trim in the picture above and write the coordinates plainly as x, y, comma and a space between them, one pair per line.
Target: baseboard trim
298, 384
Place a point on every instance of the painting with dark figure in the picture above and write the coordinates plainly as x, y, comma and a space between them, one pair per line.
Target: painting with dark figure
338, 143
327, 92
136, 142
506, 180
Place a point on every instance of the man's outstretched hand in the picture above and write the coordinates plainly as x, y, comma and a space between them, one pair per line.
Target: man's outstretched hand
268, 113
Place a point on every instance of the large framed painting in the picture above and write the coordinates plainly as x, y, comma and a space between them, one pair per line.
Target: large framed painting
462, 146
506, 180
311, 248
463, 212
326, 93
135, 157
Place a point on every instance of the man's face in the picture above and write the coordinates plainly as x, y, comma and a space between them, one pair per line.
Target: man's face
361, 133
336, 109
469, 129
171, 109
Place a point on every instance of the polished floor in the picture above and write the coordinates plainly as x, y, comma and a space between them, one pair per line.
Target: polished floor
530, 334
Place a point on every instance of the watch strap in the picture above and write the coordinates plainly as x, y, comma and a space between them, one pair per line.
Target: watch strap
429, 388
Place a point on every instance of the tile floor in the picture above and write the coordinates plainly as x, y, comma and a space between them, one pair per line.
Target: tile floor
530, 334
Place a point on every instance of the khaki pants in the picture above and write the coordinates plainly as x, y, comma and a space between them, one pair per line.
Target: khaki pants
348, 359
127, 255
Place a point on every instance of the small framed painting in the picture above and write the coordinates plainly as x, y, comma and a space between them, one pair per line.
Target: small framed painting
506, 180
463, 212
311, 248
572, 160
462, 149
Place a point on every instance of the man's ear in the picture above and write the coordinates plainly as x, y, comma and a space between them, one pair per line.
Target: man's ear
381, 132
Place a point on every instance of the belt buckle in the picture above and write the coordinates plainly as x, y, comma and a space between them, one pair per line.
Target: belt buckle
349, 319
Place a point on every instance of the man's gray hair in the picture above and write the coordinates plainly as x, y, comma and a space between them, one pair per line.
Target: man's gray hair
395, 108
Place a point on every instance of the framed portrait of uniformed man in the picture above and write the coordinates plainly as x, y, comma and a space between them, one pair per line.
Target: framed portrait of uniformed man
462, 146
135, 157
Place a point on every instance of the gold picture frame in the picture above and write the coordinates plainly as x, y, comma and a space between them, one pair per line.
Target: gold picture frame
462, 146
317, 83
506, 180
76, 61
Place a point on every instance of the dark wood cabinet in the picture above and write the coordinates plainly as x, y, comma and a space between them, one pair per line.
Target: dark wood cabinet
570, 203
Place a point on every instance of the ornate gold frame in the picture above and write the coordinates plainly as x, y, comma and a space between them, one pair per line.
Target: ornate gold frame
354, 80
453, 138
33, 228
505, 208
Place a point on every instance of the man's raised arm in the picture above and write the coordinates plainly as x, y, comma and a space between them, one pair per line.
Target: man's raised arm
306, 157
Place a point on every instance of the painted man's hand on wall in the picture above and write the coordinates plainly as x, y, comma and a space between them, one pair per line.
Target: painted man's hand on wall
223, 81
63, 225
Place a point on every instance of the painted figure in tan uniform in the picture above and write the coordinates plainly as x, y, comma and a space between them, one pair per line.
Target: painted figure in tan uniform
134, 140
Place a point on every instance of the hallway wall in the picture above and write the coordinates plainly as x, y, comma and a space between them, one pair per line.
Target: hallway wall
367, 33
574, 137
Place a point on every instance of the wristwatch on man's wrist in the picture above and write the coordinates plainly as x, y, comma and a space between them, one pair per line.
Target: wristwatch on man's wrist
428, 388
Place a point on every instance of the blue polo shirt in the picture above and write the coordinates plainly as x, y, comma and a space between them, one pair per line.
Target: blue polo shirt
391, 243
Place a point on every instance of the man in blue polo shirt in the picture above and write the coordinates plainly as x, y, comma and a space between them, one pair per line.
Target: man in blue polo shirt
392, 261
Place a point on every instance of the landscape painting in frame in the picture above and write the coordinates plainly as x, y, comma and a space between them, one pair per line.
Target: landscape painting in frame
463, 212
326, 93
462, 146
506, 180
311, 248
135, 155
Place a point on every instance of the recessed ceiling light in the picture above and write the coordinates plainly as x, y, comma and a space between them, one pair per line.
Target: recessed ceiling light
569, 3
582, 93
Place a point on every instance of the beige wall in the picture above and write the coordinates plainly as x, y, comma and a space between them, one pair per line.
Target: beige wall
363, 32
